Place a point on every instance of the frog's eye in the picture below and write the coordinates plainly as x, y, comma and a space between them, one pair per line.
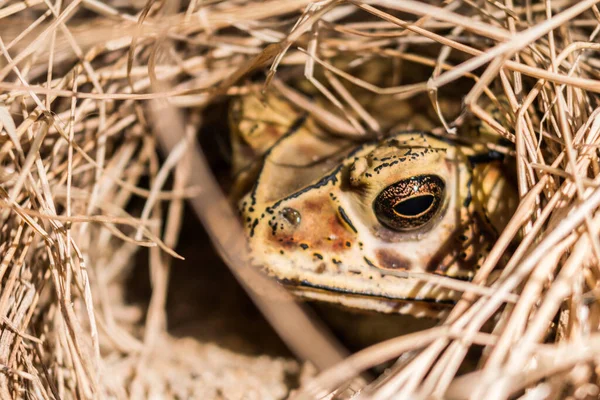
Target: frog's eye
410, 203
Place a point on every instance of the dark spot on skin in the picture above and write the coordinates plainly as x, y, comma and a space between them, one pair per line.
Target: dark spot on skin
287, 242
273, 226
304, 246
369, 262
253, 227
317, 255
348, 244
469, 197
321, 268
281, 252
391, 260
346, 219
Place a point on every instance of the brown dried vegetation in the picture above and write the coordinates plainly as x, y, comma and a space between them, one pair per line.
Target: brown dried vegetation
90, 91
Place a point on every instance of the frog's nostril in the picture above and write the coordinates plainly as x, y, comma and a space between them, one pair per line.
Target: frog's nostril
291, 215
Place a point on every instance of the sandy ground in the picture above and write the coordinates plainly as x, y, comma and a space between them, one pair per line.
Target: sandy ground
219, 345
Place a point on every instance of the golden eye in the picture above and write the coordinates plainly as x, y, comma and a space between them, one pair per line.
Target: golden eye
410, 203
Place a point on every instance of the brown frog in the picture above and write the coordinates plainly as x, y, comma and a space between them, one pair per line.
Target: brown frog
363, 225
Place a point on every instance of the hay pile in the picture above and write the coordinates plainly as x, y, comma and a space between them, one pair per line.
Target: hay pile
90, 92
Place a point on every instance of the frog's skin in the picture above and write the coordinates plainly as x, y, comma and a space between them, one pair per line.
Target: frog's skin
322, 214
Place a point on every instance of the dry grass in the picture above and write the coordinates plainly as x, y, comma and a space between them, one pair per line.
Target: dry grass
89, 92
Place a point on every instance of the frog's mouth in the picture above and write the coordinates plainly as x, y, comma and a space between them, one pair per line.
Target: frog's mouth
416, 305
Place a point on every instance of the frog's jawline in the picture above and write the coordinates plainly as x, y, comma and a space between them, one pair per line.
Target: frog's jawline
307, 286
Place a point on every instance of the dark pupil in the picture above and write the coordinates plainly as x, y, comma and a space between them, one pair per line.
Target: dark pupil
410, 203
415, 205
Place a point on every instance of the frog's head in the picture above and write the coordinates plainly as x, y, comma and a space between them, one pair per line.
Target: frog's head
360, 226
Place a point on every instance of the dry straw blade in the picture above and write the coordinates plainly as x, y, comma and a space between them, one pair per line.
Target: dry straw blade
89, 92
